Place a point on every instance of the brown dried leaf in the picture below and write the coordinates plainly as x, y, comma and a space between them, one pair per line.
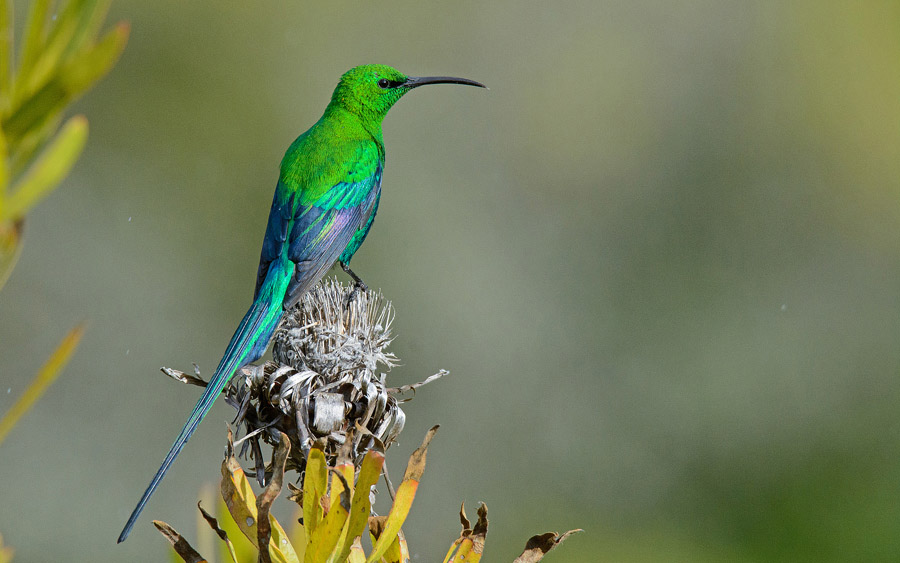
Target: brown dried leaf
265, 500
214, 524
470, 545
538, 546
414, 386
181, 545
183, 377
464, 520
295, 494
416, 466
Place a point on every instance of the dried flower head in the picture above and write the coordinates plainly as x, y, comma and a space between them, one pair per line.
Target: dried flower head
327, 380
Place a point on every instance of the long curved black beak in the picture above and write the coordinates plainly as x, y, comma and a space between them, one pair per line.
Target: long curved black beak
416, 81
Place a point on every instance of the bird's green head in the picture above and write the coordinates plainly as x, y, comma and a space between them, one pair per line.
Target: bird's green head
369, 91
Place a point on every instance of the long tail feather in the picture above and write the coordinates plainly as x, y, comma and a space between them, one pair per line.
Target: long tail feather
247, 345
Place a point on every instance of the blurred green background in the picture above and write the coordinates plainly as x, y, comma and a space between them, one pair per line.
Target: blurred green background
660, 258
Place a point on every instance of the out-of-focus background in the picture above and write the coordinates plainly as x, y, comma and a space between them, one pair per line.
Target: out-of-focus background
660, 257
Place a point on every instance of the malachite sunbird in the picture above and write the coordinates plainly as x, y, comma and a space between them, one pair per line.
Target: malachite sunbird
325, 201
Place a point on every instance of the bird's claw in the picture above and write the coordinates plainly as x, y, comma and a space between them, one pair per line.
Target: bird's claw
358, 284
357, 287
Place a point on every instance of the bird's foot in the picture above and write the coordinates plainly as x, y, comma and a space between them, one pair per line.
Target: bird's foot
358, 284
357, 287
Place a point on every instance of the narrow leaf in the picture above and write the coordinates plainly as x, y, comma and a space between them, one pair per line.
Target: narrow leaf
314, 484
79, 74
47, 375
65, 25
404, 547
214, 524
341, 492
538, 546
4, 166
238, 495
36, 111
241, 503
298, 534
49, 169
361, 506
266, 534
6, 54
74, 78
406, 492
357, 555
244, 550
184, 377
35, 35
89, 24
471, 542
22, 153
10, 248
323, 541
181, 545
6, 552
393, 553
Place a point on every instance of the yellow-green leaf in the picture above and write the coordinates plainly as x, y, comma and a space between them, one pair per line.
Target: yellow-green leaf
239, 496
4, 166
65, 25
341, 492
241, 502
10, 248
394, 553
92, 64
35, 111
346, 470
35, 35
357, 555
6, 552
6, 56
361, 506
47, 375
315, 483
326, 535
89, 24
49, 169
23, 152
243, 549
403, 500
74, 77
298, 535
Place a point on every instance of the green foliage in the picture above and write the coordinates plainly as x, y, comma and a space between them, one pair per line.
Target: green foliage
60, 59
42, 380
62, 56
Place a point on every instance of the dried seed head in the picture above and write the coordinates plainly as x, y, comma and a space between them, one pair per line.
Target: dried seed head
324, 381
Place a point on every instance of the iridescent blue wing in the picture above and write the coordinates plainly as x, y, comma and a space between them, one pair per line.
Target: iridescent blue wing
317, 234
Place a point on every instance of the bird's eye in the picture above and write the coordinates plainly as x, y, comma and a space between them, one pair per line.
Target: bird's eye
384, 83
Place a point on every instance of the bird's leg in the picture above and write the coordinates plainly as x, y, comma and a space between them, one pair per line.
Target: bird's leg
357, 285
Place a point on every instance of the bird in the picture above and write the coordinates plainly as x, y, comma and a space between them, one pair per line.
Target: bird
325, 201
